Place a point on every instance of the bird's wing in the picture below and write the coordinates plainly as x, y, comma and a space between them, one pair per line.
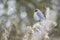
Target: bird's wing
40, 15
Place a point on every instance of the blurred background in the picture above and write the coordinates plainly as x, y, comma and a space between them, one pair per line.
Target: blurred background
15, 15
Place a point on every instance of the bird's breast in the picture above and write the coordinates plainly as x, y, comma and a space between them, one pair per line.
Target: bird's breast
36, 17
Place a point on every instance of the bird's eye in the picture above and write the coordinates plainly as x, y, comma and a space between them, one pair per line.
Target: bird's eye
36, 10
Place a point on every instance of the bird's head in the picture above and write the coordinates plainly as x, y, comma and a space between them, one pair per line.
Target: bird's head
36, 10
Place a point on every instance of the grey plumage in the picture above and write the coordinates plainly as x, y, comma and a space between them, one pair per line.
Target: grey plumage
38, 15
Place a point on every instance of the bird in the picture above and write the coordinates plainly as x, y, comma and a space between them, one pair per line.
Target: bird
38, 15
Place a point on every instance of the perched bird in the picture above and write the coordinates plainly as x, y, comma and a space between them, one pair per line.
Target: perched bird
38, 15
